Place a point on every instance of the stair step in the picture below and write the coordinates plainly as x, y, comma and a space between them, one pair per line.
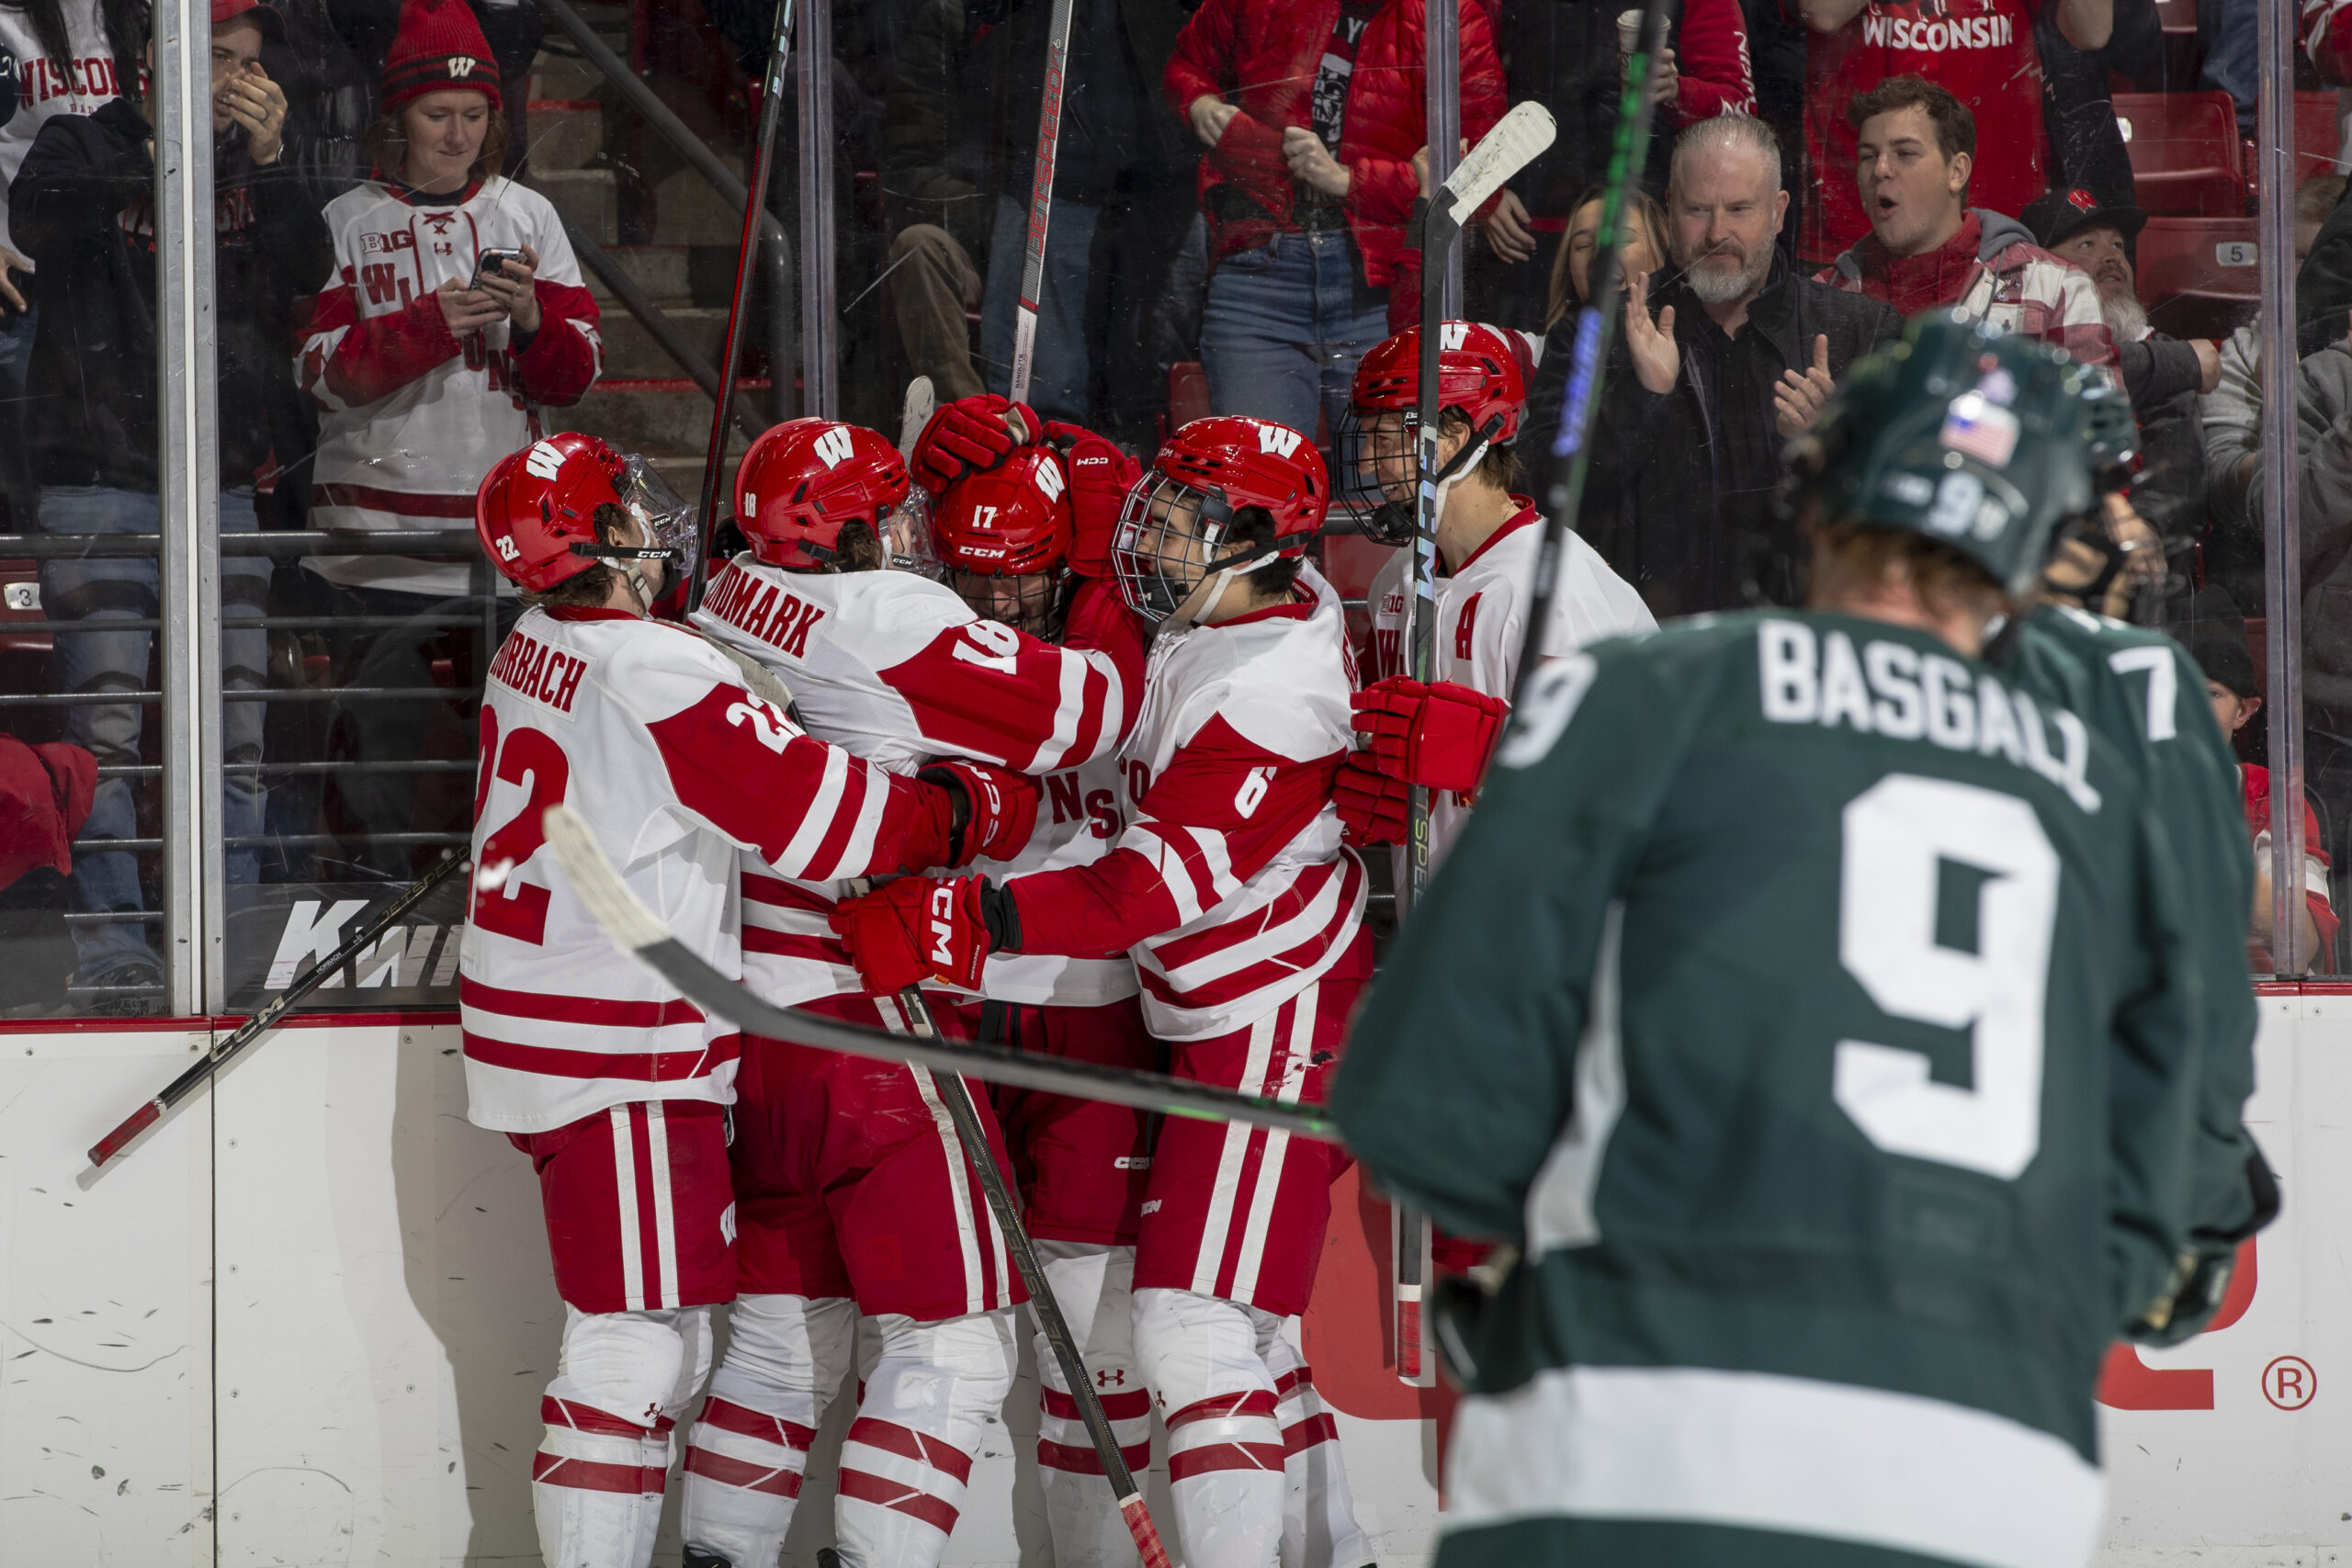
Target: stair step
564, 133
659, 270
688, 212
631, 354
565, 75
588, 196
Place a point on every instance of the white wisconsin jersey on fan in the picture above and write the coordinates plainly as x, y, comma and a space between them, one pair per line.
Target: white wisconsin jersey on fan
897, 669
1080, 814
1283, 684
649, 734
412, 457
1482, 624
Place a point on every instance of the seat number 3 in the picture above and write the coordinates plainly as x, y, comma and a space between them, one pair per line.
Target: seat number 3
1898, 833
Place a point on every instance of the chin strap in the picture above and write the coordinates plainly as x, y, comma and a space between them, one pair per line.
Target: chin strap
1238, 566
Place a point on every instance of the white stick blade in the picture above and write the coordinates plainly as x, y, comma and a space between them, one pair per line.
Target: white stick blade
921, 403
1516, 140
617, 912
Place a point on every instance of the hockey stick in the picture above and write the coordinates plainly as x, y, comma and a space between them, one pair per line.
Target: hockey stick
253, 1029
953, 1094
1572, 447
730, 355
1041, 200
635, 928
1510, 146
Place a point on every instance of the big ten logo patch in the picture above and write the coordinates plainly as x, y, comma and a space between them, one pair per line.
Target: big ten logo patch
1070, 801
2127, 1382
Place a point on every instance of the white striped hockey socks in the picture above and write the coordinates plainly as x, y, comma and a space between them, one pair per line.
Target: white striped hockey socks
597, 1479
909, 1455
748, 1450
1224, 1445
1319, 1528
1091, 1284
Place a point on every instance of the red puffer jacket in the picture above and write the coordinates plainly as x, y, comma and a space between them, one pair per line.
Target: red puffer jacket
1385, 126
1261, 56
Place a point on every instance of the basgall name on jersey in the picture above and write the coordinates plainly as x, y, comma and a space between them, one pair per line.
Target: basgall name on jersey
1890, 689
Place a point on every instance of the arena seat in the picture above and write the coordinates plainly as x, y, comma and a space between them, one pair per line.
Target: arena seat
2186, 159
2197, 275
2318, 134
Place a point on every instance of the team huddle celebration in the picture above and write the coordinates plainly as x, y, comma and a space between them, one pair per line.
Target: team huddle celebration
1064, 704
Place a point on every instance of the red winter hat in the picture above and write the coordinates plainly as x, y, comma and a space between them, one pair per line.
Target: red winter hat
439, 46
266, 18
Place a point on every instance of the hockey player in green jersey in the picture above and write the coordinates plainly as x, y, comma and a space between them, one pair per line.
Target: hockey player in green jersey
1807, 1005
2143, 692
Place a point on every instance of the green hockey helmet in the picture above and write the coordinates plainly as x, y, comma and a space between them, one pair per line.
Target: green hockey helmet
1977, 437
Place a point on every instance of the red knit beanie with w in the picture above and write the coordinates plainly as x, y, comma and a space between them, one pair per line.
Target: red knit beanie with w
439, 46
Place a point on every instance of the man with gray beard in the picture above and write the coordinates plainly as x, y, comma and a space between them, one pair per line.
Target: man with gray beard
1739, 355
2163, 374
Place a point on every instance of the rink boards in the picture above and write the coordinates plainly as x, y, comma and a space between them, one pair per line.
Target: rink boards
308, 1320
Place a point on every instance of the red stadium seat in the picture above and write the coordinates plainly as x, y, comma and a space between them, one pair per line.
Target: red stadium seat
2318, 134
2197, 275
1188, 393
2186, 156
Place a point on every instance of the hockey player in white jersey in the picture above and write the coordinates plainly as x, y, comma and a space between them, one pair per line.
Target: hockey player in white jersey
1487, 539
1006, 538
1244, 915
854, 1199
614, 1084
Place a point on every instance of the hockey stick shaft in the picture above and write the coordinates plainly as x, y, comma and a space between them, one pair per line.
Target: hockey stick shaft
636, 930
953, 1094
253, 1029
1571, 456
731, 356
1041, 200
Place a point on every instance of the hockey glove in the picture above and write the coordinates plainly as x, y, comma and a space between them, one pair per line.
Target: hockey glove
914, 930
1370, 804
968, 436
1099, 478
997, 812
1437, 735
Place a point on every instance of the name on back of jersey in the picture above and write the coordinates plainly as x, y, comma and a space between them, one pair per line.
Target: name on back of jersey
529, 667
1890, 688
775, 616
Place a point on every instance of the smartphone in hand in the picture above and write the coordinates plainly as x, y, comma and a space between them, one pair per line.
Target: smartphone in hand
492, 262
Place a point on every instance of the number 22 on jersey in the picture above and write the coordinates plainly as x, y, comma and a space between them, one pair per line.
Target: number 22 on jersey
504, 902
1897, 834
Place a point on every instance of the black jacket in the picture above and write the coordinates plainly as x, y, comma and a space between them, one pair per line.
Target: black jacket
1654, 506
82, 207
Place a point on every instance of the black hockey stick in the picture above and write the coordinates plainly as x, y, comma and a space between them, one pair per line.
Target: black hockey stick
1595, 329
1041, 200
253, 1029
731, 356
1514, 141
638, 931
949, 1085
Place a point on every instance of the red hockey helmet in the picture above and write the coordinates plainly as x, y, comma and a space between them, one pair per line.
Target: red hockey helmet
1011, 521
1205, 474
1480, 375
534, 505
804, 480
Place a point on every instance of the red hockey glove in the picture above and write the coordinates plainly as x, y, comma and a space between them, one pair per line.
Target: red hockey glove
1000, 810
1099, 478
1437, 735
968, 436
1370, 804
916, 929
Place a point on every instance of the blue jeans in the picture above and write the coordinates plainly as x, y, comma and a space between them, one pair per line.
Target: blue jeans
1284, 326
115, 589
1060, 372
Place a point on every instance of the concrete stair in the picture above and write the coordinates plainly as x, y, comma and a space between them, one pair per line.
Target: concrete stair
645, 403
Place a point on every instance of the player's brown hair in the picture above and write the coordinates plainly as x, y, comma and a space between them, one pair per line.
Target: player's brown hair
1955, 126
1499, 467
1271, 583
386, 145
1854, 560
586, 589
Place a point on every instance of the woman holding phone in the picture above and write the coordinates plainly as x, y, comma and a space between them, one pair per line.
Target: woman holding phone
455, 314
